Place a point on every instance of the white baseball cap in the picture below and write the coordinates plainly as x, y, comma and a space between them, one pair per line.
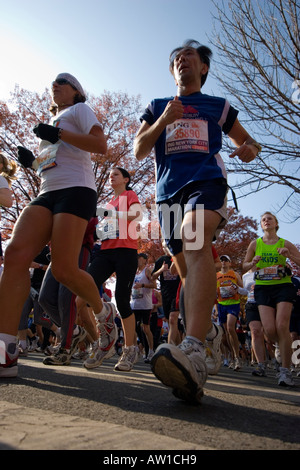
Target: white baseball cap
72, 80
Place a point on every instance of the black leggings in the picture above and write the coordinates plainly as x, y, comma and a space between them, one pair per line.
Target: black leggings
123, 262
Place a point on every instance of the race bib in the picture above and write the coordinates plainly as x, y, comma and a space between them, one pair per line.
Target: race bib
47, 156
268, 274
226, 292
108, 229
187, 135
136, 294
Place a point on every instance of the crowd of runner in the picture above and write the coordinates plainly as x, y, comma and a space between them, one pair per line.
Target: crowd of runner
53, 266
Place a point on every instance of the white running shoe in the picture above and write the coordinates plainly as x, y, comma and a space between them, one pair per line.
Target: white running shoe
277, 353
182, 368
108, 336
9, 360
213, 353
76, 339
237, 364
285, 377
128, 359
148, 359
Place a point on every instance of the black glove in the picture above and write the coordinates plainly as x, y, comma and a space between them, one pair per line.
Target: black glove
25, 157
46, 132
103, 212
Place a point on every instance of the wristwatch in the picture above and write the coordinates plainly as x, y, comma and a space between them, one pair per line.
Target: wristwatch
258, 146
143, 285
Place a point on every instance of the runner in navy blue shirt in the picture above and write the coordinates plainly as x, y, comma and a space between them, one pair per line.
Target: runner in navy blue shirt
185, 132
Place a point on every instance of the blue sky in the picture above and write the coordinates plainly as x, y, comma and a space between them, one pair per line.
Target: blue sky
114, 45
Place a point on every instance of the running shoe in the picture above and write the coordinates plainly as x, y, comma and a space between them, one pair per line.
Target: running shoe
23, 352
285, 378
213, 354
237, 364
34, 345
62, 357
9, 366
147, 360
277, 353
128, 359
259, 371
108, 336
76, 339
182, 368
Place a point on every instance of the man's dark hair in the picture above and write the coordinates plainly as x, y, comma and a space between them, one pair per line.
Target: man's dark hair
204, 53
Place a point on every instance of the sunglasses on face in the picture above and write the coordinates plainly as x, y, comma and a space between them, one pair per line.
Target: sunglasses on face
62, 81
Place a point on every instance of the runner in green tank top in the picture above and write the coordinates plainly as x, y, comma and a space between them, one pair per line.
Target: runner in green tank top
274, 291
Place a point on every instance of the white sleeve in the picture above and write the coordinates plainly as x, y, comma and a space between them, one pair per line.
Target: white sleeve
85, 117
3, 183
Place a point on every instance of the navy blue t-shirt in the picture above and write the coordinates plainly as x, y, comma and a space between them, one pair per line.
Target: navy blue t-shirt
188, 149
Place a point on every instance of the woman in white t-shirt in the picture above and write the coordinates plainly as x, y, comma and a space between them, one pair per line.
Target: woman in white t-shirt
8, 169
60, 213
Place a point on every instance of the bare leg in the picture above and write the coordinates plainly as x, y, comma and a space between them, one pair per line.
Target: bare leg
31, 233
200, 281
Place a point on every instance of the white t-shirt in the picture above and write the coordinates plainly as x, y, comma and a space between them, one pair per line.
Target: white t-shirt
141, 299
249, 284
71, 166
3, 185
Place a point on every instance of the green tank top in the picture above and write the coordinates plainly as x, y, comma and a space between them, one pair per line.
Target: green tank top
269, 263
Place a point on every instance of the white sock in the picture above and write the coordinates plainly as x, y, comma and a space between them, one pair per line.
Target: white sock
212, 333
23, 343
101, 316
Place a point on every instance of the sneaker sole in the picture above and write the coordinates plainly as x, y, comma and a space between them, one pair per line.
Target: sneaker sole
284, 384
8, 372
192, 399
172, 374
121, 369
49, 363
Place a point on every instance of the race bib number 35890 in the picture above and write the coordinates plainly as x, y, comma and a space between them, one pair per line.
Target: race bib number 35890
187, 135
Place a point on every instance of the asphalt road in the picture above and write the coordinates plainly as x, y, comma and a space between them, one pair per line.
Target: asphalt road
71, 408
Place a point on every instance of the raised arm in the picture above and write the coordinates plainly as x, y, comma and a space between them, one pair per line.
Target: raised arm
247, 147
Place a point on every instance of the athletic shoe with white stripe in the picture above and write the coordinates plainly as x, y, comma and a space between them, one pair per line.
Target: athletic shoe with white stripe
108, 336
